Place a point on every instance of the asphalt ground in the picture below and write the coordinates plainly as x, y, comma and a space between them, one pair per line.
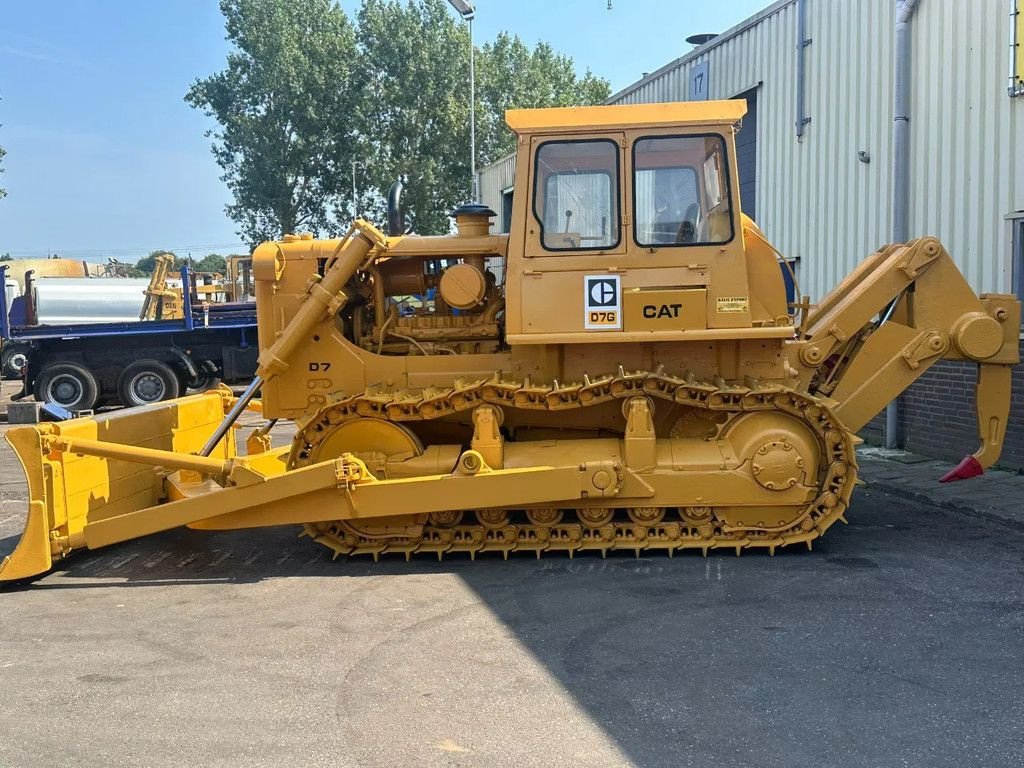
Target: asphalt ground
896, 642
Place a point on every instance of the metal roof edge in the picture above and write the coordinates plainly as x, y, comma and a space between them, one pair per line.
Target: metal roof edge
743, 26
499, 161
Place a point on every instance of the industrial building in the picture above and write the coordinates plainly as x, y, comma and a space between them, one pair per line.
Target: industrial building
817, 153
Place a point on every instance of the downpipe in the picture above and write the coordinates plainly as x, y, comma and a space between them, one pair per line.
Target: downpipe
900, 162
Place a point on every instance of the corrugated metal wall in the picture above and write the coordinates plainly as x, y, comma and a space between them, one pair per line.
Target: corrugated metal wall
966, 168
815, 199
495, 179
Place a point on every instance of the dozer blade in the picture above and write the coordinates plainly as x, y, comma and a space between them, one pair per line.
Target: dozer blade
68, 491
99, 481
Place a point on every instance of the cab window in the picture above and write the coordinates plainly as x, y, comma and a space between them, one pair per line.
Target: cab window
681, 192
576, 194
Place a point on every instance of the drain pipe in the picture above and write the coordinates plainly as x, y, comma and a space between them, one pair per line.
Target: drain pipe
900, 161
802, 42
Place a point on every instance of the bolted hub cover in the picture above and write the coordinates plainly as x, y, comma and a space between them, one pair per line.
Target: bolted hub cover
777, 465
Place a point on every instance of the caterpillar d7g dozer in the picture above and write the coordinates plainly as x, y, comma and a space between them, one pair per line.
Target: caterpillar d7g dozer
619, 371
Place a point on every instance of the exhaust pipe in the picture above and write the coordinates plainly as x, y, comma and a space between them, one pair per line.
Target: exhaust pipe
396, 223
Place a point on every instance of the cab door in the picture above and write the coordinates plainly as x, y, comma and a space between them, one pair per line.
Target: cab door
576, 199
575, 227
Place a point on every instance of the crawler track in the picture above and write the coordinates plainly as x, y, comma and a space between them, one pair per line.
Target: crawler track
599, 528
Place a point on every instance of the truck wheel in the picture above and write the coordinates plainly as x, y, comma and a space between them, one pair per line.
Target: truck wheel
68, 385
148, 381
13, 362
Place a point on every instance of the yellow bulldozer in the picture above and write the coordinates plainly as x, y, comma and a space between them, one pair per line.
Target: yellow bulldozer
622, 371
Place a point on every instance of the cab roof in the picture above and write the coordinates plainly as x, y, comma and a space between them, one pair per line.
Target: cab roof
580, 119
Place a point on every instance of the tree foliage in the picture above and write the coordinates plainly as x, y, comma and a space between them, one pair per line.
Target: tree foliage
283, 142
511, 76
147, 264
415, 61
212, 262
306, 93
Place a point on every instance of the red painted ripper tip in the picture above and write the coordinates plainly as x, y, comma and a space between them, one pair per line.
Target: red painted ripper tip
966, 469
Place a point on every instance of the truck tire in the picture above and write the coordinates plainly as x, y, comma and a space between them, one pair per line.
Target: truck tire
68, 385
12, 361
147, 381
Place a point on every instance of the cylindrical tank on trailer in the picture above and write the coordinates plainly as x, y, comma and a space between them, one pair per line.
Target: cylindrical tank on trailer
17, 268
61, 300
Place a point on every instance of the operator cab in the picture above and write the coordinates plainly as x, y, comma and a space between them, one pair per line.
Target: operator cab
679, 191
629, 227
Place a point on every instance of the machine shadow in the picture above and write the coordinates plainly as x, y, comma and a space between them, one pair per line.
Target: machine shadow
724, 660
634, 641
637, 642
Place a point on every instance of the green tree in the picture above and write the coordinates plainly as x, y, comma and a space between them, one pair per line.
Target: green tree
305, 99
511, 76
285, 107
147, 264
212, 262
414, 61
5, 257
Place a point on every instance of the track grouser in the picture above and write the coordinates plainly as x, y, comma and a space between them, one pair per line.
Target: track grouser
621, 370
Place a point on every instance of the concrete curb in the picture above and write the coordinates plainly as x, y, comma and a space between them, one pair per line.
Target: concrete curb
996, 497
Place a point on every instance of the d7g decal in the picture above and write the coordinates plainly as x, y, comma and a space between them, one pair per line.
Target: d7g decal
602, 303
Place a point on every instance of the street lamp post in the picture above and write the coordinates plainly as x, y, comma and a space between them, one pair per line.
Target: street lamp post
467, 11
355, 198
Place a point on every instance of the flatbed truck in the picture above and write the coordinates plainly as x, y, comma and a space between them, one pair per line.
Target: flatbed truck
81, 366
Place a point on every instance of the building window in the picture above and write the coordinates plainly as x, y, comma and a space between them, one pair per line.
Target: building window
576, 194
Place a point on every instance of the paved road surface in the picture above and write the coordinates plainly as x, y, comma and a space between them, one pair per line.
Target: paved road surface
897, 642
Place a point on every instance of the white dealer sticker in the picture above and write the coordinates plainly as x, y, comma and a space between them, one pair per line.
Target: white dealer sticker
602, 303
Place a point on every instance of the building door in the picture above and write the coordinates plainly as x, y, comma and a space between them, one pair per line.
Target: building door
1017, 247
746, 154
506, 211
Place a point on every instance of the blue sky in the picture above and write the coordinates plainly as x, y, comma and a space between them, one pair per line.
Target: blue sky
106, 159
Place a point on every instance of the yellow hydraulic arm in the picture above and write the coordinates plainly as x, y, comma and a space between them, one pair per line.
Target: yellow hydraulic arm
902, 310
325, 297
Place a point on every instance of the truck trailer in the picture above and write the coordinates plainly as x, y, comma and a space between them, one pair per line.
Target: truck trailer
80, 364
